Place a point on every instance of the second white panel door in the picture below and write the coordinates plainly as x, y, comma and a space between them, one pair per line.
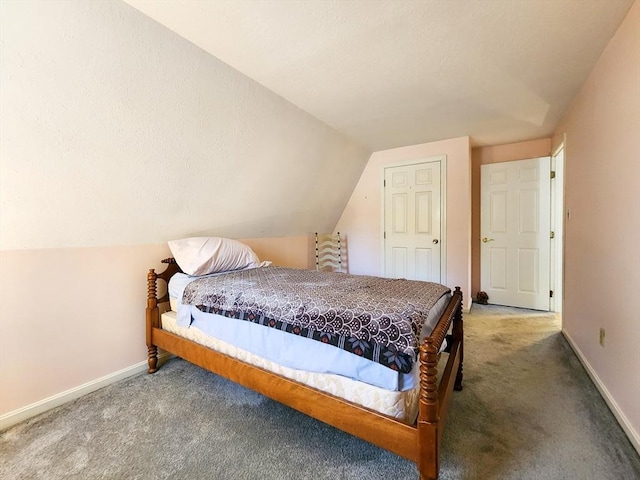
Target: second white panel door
515, 225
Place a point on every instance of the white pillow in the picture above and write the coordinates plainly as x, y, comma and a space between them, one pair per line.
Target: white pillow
203, 255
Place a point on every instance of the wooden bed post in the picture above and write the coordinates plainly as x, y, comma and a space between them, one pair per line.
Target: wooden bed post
434, 397
458, 335
152, 320
428, 449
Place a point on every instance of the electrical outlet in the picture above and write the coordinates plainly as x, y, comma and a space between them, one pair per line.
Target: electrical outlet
602, 337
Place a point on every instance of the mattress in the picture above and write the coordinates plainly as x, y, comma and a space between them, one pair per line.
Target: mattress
402, 405
323, 367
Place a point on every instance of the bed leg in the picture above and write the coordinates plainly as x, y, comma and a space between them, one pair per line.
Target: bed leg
428, 416
152, 359
153, 316
458, 334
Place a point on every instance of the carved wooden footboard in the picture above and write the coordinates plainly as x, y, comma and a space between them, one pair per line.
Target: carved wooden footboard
419, 443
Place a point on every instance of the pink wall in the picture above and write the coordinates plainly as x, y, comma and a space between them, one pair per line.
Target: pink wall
287, 251
602, 236
495, 154
70, 316
512, 151
362, 218
73, 315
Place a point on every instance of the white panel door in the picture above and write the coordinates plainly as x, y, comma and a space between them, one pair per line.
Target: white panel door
412, 221
515, 233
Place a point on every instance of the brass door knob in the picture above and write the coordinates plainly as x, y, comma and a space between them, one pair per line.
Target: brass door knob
485, 240
435, 241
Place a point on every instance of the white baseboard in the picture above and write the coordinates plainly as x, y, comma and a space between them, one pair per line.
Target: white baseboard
467, 309
633, 435
24, 413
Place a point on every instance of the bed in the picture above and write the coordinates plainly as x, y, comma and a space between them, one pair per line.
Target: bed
380, 384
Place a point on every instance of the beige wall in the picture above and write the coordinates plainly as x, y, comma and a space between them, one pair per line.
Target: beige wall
487, 155
602, 235
117, 131
362, 218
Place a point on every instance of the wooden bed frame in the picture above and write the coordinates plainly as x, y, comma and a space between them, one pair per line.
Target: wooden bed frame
419, 443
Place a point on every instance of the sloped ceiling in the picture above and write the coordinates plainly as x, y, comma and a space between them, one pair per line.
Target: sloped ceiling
394, 73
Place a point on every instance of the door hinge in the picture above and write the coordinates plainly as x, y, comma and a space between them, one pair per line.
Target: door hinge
552, 235
384, 235
550, 293
553, 174
384, 183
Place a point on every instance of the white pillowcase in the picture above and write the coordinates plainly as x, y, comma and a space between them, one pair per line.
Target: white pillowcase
203, 255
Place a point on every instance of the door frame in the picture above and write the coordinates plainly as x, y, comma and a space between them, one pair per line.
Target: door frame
442, 159
558, 225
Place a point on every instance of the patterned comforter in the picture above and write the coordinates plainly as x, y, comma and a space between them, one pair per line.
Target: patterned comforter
377, 318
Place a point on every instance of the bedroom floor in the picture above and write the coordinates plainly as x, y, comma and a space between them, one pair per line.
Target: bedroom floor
528, 411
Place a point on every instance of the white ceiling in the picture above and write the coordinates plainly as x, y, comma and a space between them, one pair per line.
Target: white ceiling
393, 72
